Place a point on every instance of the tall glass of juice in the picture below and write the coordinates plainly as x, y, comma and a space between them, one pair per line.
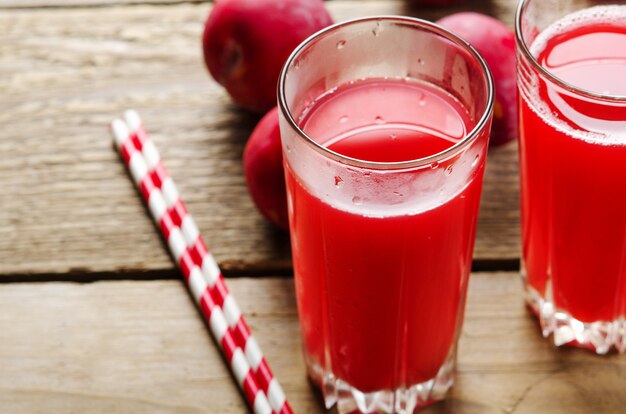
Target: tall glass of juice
572, 105
385, 125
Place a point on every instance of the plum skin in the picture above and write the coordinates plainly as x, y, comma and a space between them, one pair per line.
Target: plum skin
263, 169
246, 43
496, 44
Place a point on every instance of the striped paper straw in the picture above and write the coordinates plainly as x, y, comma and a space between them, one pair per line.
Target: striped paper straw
199, 267
182, 218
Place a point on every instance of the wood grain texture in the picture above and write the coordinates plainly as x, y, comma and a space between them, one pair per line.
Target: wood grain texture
67, 203
501, 8
140, 347
33, 4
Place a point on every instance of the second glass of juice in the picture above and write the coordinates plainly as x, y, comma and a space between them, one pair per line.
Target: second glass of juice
385, 125
572, 106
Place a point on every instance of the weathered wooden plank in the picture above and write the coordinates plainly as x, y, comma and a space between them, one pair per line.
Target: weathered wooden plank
141, 347
131, 347
31, 4
494, 7
67, 204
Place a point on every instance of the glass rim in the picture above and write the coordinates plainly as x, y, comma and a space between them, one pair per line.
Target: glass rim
467, 139
521, 46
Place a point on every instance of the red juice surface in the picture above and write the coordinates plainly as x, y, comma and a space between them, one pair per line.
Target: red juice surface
573, 168
380, 296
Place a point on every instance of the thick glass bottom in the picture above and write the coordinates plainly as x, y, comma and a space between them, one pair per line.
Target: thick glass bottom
600, 336
405, 400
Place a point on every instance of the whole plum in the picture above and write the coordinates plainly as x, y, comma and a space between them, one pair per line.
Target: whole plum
496, 44
246, 43
263, 168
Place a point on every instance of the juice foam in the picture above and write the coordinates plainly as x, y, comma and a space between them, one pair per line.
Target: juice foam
587, 50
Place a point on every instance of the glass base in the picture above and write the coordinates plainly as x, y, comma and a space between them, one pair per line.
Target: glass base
402, 401
599, 336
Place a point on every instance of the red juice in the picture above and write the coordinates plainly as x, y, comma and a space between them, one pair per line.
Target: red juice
381, 290
573, 168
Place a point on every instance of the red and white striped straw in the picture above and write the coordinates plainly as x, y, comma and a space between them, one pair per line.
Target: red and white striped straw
200, 269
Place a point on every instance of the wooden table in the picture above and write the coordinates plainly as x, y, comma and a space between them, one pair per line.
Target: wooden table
93, 315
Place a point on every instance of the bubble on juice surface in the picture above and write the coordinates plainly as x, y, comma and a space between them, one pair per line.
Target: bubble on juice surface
341, 44
393, 137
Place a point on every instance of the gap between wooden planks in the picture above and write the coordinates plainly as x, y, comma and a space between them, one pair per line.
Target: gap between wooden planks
140, 347
68, 205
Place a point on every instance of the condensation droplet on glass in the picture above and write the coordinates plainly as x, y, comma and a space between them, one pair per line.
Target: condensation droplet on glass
422, 101
367, 174
379, 120
287, 148
448, 170
296, 64
397, 193
476, 158
357, 200
434, 165
338, 181
376, 30
393, 137
343, 119
341, 44
420, 61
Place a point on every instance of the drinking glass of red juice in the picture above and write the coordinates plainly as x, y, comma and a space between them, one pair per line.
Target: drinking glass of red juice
384, 123
572, 106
